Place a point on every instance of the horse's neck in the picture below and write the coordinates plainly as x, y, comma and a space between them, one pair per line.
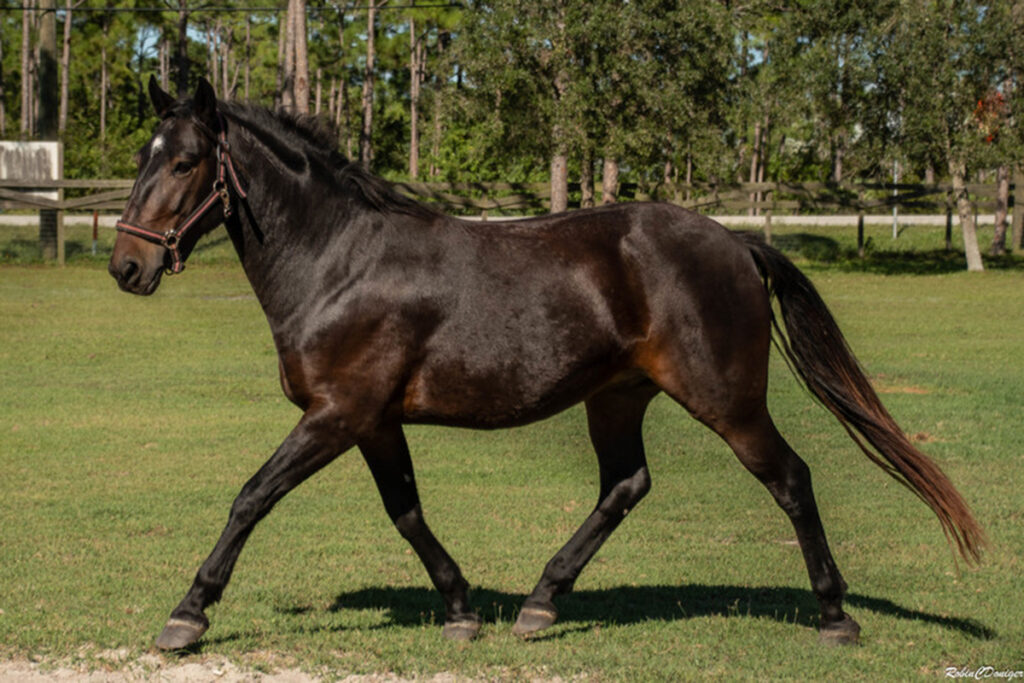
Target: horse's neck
284, 229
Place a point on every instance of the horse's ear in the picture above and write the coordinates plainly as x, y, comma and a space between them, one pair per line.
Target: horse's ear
162, 101
205, 103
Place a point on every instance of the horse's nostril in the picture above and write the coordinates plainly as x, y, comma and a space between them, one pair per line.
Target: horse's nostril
127, 272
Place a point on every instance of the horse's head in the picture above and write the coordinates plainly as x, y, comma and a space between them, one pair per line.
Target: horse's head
179, 192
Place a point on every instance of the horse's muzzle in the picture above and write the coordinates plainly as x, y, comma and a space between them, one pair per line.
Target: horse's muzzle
133, 277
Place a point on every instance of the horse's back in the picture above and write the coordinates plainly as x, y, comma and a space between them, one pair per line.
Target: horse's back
545, 312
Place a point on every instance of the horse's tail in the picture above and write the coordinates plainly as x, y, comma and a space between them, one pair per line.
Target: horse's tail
818, 353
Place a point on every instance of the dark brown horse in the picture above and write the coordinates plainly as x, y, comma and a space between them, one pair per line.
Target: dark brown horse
385, 312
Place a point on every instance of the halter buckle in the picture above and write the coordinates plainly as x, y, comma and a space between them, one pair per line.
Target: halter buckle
221, 188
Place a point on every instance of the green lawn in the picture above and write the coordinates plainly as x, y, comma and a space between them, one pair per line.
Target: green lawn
127, 425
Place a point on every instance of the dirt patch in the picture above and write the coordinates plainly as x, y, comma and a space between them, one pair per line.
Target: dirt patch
113, 667
925, 437
883, 385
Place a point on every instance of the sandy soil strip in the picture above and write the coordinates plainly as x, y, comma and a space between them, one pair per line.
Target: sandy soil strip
155, 668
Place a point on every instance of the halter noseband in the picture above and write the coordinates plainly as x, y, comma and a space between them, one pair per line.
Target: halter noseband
171, 240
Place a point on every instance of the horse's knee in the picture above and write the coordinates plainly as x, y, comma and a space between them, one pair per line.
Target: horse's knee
639, 485
248, 508
410, 523
626, 492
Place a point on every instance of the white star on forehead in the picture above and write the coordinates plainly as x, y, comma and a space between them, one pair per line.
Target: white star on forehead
157, 144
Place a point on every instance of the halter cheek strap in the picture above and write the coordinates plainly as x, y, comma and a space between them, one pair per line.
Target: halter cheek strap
171, 239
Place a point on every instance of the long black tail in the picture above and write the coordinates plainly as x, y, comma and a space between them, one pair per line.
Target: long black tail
820, 355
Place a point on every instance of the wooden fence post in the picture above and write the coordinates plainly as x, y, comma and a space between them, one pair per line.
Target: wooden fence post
51, 237
860, 223
949, 224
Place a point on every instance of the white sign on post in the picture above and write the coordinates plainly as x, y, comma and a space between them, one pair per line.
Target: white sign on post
32, 161
35, 161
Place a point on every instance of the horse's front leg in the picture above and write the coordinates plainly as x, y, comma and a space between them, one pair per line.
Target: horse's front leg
317, 440
387, 455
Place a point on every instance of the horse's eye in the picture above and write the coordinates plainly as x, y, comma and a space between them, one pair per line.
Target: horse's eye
183, 168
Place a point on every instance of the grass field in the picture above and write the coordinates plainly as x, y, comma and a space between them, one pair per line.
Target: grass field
127, 426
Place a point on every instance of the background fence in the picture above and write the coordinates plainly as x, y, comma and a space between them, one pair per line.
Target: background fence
765, 200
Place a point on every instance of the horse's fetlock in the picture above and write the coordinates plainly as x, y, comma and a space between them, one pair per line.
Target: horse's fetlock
190, 615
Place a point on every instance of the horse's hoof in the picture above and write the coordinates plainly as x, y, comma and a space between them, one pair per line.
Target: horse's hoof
179, 634
533, 619
844, 632
464, 629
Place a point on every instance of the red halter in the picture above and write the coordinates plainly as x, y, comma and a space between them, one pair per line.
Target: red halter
171, 239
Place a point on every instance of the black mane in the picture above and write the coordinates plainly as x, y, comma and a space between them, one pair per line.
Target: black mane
309, 135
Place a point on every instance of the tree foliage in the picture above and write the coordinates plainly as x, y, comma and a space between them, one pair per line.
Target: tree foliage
713, 91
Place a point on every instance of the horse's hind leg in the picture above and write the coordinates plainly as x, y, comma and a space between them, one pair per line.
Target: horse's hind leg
614, 418
720, 375
763, 451
387, 455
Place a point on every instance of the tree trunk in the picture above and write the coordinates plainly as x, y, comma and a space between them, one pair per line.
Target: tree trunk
317, 99
587, 180
142, 102
341, 113
415, 78
689, 174
181, 56
301, 59
211, 58
286, 58
755, 158
1017, 238
345, 119
763, 157
49, 110
104, 86
3, 95
65, 69
365, 145
164, 70
1002, 210
559, 181
49, 98
435, 142
762, 164
609, 180
226, 84
958, 172
837, 160
282, 38
26, 72
559, 132
248, 54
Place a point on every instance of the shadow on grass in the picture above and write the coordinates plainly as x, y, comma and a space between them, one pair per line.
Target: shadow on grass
825, 253
624, 605
930, 262
408, 606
